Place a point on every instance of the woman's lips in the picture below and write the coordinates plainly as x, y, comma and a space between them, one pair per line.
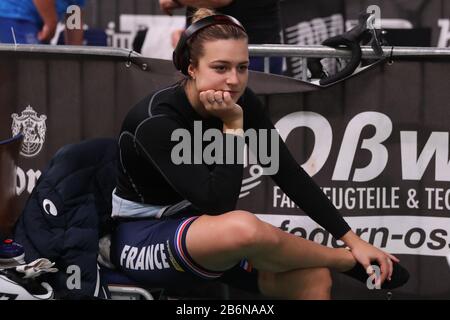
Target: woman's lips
234, 93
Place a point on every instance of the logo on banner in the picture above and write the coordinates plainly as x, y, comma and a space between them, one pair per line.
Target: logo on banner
33, 128
151, 31
313, 32
256, 172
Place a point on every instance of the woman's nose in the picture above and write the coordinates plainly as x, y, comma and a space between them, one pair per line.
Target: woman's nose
232, 77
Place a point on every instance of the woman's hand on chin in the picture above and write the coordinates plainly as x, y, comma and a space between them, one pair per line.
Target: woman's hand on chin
221, 105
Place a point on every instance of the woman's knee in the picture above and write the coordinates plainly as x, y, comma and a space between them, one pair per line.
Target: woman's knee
249, 231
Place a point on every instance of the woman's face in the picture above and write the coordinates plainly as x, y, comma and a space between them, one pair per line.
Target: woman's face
223, 67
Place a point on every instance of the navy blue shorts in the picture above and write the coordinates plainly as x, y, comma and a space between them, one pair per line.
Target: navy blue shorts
153, 253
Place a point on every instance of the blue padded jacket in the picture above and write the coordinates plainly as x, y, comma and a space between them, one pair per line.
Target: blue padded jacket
66, 214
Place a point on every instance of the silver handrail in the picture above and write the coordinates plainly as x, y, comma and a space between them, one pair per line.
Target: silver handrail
318, 51
267, 50
84, 50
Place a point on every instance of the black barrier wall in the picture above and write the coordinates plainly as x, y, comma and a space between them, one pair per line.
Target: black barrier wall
377, 144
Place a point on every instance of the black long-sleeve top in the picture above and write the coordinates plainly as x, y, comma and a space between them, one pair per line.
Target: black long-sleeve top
148, 174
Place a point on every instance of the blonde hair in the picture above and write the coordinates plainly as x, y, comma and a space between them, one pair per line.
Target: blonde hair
202, 13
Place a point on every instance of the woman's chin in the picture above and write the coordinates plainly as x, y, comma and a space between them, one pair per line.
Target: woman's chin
235, 96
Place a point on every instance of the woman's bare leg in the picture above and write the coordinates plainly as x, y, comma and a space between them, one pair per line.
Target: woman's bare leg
299, 284
220, 242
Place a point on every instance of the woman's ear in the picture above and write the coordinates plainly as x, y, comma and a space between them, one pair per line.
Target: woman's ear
191, 71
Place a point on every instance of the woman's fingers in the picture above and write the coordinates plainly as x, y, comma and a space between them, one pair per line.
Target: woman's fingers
218, 96
210, 96
227, 97
216, 99
391, 268
394, 258
207, 98
203, 98
385, 266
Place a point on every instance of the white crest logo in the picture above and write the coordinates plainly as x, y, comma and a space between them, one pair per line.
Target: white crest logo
33, 128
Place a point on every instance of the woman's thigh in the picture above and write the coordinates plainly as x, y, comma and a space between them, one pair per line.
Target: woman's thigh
153, 252
220, 242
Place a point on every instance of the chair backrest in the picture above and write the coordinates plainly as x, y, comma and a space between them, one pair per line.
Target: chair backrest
9, 211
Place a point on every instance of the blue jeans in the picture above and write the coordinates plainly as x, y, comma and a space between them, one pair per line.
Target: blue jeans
24, 31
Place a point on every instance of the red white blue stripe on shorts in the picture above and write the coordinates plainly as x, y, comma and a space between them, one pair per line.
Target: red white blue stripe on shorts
180, 248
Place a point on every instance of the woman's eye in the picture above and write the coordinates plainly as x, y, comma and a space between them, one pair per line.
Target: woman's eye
243, 68
220, 68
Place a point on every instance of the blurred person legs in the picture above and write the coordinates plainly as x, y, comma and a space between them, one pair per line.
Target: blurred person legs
275, 64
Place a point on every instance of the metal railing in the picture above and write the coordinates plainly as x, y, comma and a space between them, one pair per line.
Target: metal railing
271, 50
265, 50
318, 51
63, 49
